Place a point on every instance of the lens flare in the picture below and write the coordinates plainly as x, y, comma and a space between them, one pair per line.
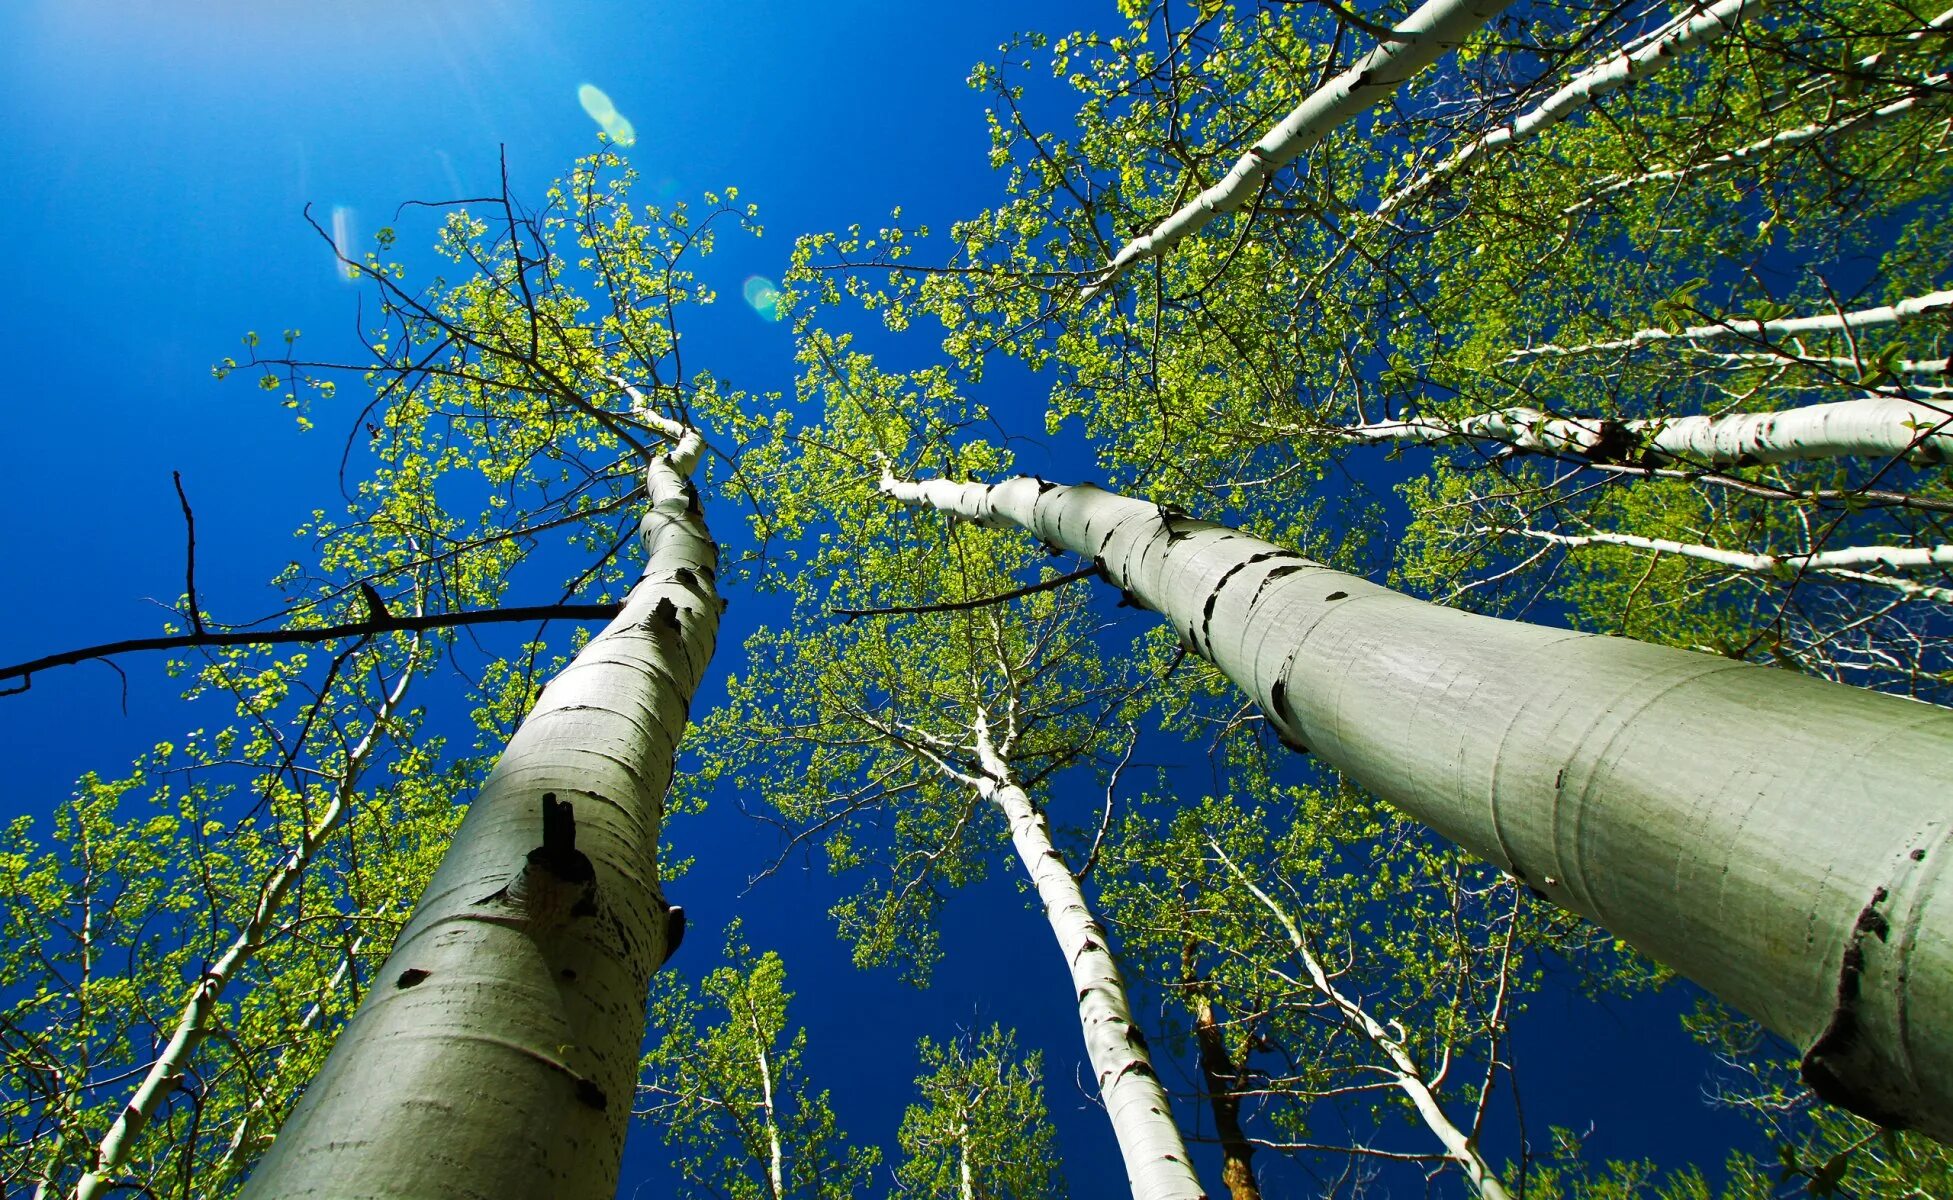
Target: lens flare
764, 295
615, 125
342, 241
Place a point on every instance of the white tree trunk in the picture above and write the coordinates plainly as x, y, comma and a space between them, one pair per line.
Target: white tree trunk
172, 1063
1782, 140
1843, 563
1157, 1164
1435, 28
1777, 838
1404, 1072
1870, 427
496, 1054
1905, 311
1616, 72
776, 1159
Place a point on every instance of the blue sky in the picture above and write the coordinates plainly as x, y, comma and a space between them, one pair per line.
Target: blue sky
157, 160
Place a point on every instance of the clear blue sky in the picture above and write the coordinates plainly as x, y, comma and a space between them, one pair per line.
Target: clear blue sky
157, 156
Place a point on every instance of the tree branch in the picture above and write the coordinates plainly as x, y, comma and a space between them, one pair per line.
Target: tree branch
375, 624
1056, 581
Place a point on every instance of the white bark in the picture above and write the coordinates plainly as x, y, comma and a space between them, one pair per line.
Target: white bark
1844, 563
172, 1063
1777, 838
1904, 312
496, 1054
1616, 72
1404, 1071
1782, 140
776, 1159
1784, 357
1157, 1164
1869, 427
1425, 36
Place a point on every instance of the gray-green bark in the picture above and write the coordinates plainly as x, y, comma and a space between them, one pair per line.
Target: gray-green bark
496, 1053
1776, 838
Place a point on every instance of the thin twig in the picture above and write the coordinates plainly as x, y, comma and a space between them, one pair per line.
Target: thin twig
189, 553
960, 605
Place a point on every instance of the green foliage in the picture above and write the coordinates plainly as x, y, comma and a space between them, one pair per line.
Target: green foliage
726, 1087
1222, 378
981, 1130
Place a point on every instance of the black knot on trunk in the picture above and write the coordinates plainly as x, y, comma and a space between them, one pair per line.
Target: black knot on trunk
558, 853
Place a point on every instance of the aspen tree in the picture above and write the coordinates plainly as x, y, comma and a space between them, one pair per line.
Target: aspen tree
981, 1129
519, 983
1769, 836
898, 736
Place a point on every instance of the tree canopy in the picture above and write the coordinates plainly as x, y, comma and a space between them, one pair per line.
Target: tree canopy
1624, 320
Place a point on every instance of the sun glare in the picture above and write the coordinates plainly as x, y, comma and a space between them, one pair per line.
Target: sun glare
342, 241
764, 295
605, 114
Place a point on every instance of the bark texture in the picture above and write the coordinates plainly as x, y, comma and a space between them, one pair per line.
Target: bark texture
496, 1054
1777, 838
1869, 427
1425, 36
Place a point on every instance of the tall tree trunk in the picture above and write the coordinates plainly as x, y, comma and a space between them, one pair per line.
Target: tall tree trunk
496, 1054
1424, 37
1157, 1164
1616, 72
1841, 563
1870, 427
1778, 839
1911, 309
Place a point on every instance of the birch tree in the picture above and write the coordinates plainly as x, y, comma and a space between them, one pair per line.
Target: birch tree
527, 958
494, 391
1502, 735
